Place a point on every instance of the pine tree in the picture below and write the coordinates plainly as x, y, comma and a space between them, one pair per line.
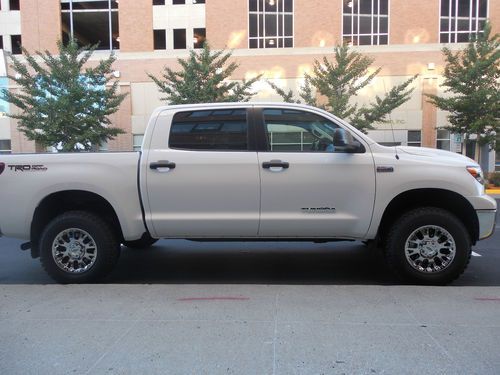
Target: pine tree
63, 103
472, 83
203, 78
337, 82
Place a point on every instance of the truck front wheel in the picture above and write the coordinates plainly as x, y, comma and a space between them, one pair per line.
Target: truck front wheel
78, 247
428, 246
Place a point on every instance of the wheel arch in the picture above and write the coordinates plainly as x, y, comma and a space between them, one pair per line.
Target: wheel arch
59, 202
441, 198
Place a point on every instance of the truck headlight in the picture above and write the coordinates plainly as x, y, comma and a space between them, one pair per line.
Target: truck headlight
477, 173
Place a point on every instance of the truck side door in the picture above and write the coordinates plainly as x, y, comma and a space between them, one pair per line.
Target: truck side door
309, 186
202, 175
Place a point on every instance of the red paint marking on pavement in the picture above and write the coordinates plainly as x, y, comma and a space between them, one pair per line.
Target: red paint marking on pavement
487, 299
213, 299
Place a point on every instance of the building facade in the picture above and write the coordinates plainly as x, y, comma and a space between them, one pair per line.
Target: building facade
279, 39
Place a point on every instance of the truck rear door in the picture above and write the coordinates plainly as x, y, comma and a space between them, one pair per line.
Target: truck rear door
202, 175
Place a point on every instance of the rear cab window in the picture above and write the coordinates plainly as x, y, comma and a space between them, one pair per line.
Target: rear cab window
210, 130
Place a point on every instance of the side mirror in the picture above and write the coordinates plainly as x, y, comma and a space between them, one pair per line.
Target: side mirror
345, 141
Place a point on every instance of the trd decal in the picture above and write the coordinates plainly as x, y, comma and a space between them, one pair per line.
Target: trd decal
27, 167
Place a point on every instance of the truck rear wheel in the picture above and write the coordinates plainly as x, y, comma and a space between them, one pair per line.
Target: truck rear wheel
78, 247
428, 246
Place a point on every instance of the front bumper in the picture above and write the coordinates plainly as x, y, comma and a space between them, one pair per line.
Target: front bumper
487, 220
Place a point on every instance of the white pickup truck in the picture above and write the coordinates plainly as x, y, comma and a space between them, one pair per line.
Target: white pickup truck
247, 172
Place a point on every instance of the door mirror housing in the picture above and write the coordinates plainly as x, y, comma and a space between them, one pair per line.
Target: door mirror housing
344, 141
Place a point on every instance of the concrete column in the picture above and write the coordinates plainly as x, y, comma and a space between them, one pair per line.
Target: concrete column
136, 25
429, 113
40, 25
494, 15
5, 4
123, 119
414, 22
227, 23
317, 23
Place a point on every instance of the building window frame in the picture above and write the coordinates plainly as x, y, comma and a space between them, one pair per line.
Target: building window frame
4, 150
451, 36
440, 140
261, 41
159, 39
16, 43
137, 140
112, 8
414, 141
376, 38
14, 5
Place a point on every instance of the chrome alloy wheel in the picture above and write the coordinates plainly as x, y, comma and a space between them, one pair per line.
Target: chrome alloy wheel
430, 249
74, 250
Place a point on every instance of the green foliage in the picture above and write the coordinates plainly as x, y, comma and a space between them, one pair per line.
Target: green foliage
472, 82
340, 80
62, 103
203, 78
494, 178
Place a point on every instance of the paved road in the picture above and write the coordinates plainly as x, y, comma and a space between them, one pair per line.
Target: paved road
261, 308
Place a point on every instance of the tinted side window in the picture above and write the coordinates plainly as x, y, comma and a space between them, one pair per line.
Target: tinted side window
290, 130
221, 129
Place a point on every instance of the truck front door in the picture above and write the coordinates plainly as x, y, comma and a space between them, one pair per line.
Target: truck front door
311, 186
202, 177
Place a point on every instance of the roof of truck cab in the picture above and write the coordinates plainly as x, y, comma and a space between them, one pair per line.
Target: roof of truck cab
235, 104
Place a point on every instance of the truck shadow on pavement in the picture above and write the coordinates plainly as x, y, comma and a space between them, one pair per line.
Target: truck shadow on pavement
185, 262
251, 263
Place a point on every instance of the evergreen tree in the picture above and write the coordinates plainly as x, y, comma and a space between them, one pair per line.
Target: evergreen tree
338, 81
472, 83
203, 78
62, 103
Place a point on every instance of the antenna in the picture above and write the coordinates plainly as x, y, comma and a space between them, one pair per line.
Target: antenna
392, 127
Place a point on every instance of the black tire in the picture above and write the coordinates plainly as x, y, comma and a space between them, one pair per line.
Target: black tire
106, 250
145, 242
410, 223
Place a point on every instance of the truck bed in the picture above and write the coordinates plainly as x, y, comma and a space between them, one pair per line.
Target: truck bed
29, 178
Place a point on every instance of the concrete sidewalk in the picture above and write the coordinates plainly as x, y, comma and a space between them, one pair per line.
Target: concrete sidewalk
249, 329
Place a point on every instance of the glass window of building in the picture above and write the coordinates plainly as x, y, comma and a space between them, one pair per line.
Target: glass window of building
1, 42
4, 106
443, 139
270, 24
137, 141
160, 39
14, 5
414, 138
5, 146
365, 22
158, 2
497, 156
16, 43
91, 22
178, 2
199, 37
179, 38
459, 19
